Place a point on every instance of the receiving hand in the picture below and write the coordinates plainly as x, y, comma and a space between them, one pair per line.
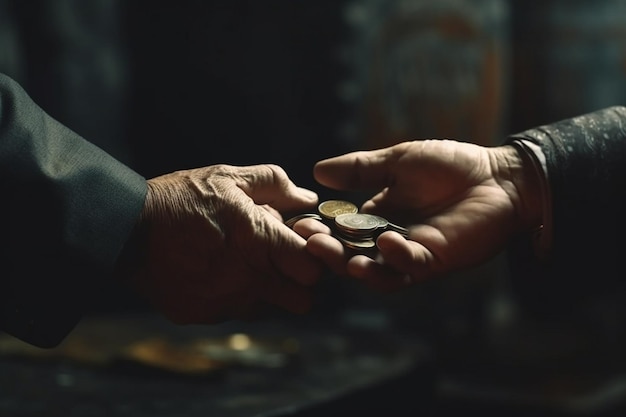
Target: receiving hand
461, 203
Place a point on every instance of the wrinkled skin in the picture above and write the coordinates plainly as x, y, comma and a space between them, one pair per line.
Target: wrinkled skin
211, 245
461, 203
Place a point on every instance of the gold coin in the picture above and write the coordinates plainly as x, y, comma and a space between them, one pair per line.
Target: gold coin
333, 208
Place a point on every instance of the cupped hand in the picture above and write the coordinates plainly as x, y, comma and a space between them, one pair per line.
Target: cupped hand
461, 203
213, 245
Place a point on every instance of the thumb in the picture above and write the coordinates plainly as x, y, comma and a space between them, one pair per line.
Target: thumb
359, 170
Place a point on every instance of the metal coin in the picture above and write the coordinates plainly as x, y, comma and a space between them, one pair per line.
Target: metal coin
357, 222
356, 244
387, 225
399, 229
382, 222
295, 219
330, 209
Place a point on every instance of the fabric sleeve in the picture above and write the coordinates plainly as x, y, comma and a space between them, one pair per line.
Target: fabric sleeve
585, 158
542, 234
67, 209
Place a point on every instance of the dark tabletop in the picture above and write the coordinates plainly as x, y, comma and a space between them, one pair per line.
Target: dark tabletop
335, 367
357, 363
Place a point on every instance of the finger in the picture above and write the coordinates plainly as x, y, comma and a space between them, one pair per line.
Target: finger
381, 205
291, 259
331, 252
269, 184
377, 275
271, 210
359, 170
308, 227
408, 257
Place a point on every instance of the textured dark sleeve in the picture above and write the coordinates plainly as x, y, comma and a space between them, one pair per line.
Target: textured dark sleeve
586, 164
67, 208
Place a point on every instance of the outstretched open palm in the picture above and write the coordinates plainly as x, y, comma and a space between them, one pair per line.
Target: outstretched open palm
457, 199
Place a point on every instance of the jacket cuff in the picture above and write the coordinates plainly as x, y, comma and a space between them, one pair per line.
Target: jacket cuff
542, 234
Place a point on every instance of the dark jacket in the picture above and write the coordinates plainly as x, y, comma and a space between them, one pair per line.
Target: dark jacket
66, 210
585, 158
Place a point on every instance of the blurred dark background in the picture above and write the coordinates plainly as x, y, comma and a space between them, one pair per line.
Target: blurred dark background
166, 85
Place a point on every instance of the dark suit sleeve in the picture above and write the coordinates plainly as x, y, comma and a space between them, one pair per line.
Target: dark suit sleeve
66, 210
586, 168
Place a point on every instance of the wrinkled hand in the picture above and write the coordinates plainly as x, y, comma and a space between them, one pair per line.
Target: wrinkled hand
214, 246
461, 202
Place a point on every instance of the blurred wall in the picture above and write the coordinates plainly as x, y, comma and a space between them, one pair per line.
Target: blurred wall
427, 69
165, 85
70, 57
569, 59
238, 82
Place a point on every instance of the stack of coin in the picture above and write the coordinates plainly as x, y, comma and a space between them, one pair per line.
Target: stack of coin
357, 226
354, 230
330, 210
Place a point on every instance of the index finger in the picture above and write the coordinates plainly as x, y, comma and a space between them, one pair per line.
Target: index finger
269, 184
359, 170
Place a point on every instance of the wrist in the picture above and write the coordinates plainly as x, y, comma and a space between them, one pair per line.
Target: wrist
535, 201
131, 258
525, 180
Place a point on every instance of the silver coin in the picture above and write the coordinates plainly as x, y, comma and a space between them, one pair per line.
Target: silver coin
356, 244
399, 229
387, 225
357, 222
299, 217
356, 235
382, 222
